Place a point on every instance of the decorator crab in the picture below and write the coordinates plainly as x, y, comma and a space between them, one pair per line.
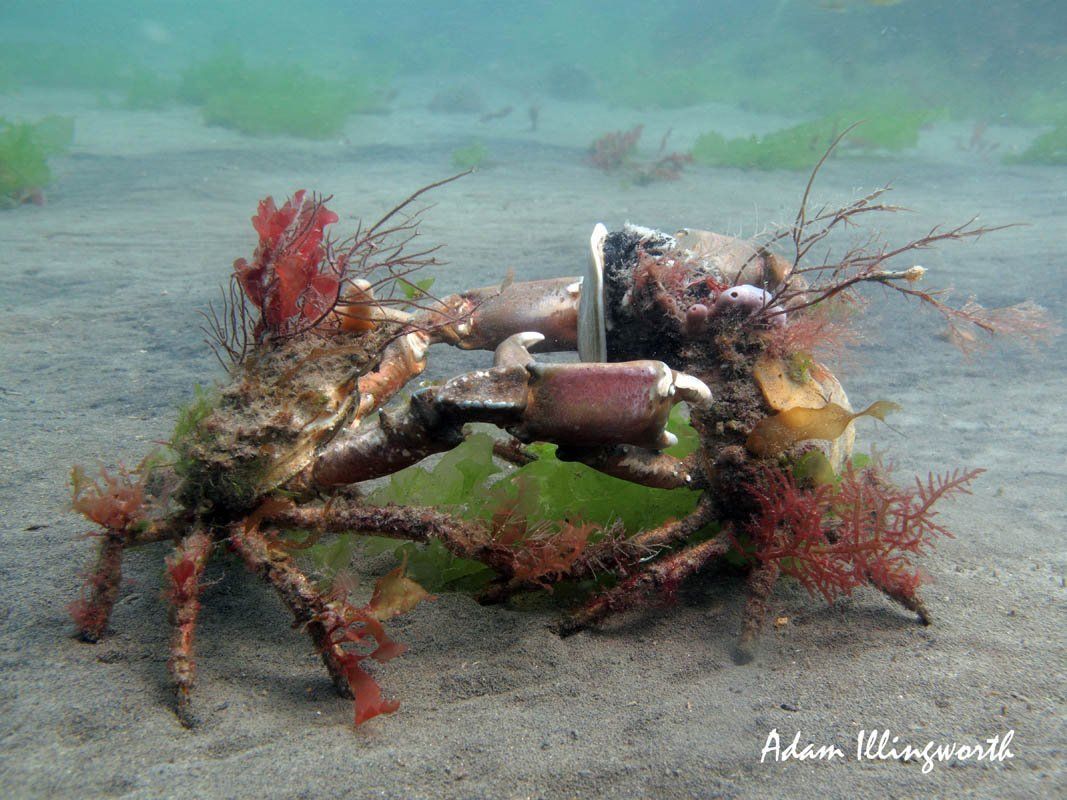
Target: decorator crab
319, 339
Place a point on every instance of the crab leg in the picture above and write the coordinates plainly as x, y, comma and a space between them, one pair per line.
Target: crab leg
761, 582
634, 464
185, 566
905, 596
663, 574
308, 605
476, 320
566, 313
91, 614
585, 407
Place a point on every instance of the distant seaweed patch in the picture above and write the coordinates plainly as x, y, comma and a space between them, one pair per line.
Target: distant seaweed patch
798, 146
472, 156
24, 151
1048, 148
283, 99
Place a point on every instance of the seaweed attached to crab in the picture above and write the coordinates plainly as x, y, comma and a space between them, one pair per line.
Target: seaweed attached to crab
611, 498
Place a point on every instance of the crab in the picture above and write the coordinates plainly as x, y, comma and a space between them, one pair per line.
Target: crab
318, 346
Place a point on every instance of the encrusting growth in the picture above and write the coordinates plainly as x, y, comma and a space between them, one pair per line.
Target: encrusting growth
318, 335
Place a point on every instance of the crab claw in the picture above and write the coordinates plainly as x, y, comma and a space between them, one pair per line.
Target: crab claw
611, 416
598, 404
481, 319
514, 351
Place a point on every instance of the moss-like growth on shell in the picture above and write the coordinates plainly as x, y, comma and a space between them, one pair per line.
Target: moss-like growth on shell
248, 439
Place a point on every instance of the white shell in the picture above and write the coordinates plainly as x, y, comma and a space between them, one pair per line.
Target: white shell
592, 332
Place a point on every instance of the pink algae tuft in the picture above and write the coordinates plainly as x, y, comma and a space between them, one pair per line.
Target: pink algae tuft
114, 501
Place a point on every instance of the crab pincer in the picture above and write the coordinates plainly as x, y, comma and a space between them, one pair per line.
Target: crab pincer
582, 407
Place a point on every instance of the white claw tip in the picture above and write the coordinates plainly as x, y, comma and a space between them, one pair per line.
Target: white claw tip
528, 338
692, 390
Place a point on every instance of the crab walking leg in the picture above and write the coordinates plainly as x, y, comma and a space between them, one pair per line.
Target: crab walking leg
308, 605
402, 361
634, 464
185, 566
905, 595
411, 523
93, 612
582, 406
663, 574
761, 582
483, 318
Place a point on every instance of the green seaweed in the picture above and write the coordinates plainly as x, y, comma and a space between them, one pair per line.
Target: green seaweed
472, 156
467, 481
456, 481
1048, 148
191, 415
24, 151
800, 146
284, 99
432, 565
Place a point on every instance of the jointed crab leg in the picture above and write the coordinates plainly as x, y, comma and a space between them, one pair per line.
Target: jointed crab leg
476, 320
565, 313
663, 574
634, 464
483, 318
93, 612
761, 583
185, 566
308, 605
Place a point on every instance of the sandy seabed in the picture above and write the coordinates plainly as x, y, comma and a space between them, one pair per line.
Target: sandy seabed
100, 341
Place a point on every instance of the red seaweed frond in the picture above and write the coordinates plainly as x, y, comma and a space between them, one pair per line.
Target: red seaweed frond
543, 557
535, 554
184, 567
301, 280
662, 285
615, 151
348, 629
116, 500
836, 538
665, 168
294, 278
357, 634
612, 150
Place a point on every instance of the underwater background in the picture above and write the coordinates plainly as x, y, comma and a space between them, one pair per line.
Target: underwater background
136, 139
